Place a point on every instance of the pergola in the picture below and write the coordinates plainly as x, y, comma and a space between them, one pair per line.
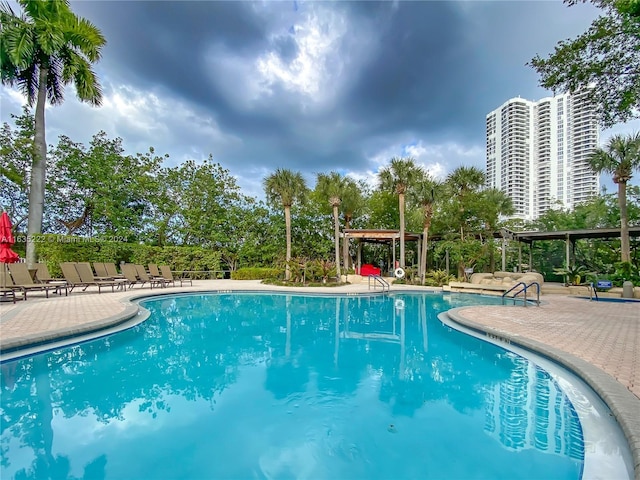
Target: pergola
388, 237
569, 236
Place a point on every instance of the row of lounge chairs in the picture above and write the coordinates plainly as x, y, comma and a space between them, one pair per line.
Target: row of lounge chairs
80, 274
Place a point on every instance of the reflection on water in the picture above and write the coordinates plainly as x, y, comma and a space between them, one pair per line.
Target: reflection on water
273, 386
529, 411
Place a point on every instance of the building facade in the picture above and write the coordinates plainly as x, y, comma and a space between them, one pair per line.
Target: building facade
537, 152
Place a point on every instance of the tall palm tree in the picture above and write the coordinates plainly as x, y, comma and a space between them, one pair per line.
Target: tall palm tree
620, 157
425, 192
398, 177
287, 187
331, 186
42, 49
493, 204
353, 200
462, 182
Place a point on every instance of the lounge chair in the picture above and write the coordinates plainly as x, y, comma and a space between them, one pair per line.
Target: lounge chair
22, 278
71, 275
168, 276
100, 270
86, 276
43, 276
86, 264
7, 288
154, 272
7, 292
130, 273
144, 276
110, 267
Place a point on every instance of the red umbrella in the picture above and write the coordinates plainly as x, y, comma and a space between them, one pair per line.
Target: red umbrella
6, 240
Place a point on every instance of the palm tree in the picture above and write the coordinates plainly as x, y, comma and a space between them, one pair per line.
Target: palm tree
398, 178
43, 49
425, 193
493, 204
287, 187
331, 187
620, 157
463, 181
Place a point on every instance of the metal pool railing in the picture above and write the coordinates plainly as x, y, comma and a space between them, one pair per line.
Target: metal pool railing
523, 290
381, 281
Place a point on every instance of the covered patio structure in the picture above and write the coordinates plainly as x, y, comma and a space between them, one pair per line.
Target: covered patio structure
388, 237
391, 237
569, 237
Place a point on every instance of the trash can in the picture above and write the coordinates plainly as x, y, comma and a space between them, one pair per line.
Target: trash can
627, 289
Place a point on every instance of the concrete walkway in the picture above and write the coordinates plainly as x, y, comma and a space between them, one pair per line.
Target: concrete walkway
598, 340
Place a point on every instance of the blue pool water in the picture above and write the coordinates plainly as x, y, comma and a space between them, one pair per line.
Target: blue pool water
286, 386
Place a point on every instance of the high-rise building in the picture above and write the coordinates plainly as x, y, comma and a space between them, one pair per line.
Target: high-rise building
537, 152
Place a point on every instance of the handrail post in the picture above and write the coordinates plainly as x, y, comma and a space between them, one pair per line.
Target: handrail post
524, 290
380, 280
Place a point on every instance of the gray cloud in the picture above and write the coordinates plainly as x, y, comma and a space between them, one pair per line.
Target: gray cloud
312, 86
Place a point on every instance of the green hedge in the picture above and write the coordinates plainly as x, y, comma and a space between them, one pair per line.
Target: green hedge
256, 273
54, 249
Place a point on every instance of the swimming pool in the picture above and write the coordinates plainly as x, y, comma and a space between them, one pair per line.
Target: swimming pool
279, 386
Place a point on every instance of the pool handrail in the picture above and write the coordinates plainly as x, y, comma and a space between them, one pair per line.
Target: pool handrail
380, 280
524, 288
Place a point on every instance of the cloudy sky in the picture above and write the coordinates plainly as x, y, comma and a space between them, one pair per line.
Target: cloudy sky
310, 86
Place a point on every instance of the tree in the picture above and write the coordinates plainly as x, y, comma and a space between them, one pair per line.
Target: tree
604, 59
287, 187
398, 177
353, 201
43, 49
99, 190
16, 156
620, 157
494, 203
462, 183
331, 187
425, 193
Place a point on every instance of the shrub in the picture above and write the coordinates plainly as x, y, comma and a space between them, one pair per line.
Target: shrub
438, 278
54, 249
625, 271
256, 273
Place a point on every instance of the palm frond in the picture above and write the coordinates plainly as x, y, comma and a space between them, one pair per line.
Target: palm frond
27, 81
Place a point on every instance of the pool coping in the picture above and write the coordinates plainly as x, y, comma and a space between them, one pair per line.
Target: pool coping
624, 405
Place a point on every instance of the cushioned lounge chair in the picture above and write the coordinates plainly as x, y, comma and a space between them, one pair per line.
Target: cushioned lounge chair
22, 278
